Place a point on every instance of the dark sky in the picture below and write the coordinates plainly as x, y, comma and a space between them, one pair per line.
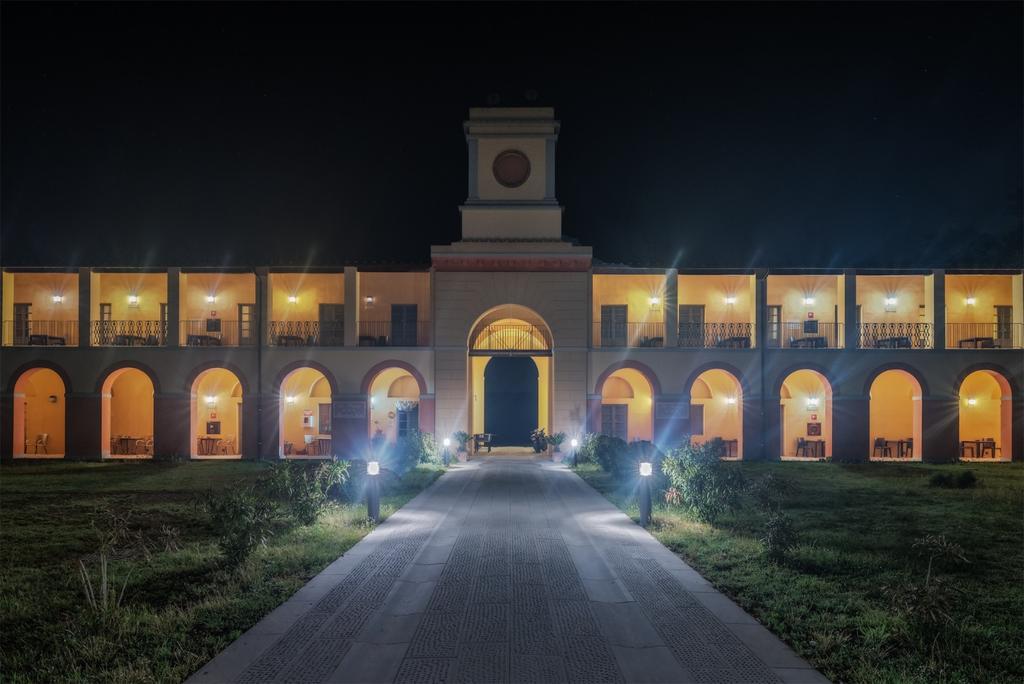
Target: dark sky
869, 134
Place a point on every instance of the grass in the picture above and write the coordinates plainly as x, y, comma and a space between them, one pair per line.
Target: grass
183, 605
856, 525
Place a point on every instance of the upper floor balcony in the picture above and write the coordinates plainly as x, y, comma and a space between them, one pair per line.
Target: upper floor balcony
394, 309
804, 311
40, 309
128, 309
984, 311
217, 309
628, 309
306, 310
895, 311
716, 311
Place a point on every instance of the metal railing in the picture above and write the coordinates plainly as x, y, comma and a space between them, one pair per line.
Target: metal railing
640, 334
716, 335
984, 336
306, 333
511, 337
804, 335
214, 332
389, 334
40, 333
128, 333
895, 336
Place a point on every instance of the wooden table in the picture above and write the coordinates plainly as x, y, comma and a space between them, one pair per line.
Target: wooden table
323, 446
126, 445
208, 445
978, 447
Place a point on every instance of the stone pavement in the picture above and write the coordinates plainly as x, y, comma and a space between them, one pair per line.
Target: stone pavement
508, 571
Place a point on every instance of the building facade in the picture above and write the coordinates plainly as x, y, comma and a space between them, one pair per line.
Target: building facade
509, 329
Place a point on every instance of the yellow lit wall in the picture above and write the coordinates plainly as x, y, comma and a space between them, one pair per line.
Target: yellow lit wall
789, 292
721, 419
393, 288
635, 291
477, 364
895, 411
391, 386
35, 414
127, 406
910, 292
992, 414
223, 386
796, 390
310, 389
230, 289
543, 391
630, 387
38, 290
310, 289
711, 291
114, 288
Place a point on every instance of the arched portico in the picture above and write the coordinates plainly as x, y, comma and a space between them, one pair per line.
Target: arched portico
895, 416
216, 399
716, 410
985, 421
305, 414
805, 415
39, 427
127, 406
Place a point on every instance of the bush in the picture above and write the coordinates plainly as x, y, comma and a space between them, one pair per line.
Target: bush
303, 489
707, 486
964, 480
609, 451
556, 439
779, 537
462, 439
586, 452
242, 519
409, 451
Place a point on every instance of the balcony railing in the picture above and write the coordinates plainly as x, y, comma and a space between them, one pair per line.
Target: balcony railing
895, 335
391, 334
510, 338
128, 333
642, 334
984, 336
804, 335
716, 335
306, 333
40, 333
214, 332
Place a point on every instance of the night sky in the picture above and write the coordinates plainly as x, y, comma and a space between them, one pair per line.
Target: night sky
725, 135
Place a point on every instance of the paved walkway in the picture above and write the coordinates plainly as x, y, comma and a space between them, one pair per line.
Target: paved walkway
508, 571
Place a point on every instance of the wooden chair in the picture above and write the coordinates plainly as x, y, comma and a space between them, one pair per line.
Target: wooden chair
908, 448
988, 444
801, 447
881, 448
227, 445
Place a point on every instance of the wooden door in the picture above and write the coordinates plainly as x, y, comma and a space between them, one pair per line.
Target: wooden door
403, 325
332, 325
407, 420
1004, 327
22, 323
615, 421
773, 319
613, 325
246, 324
691, 325
696, 419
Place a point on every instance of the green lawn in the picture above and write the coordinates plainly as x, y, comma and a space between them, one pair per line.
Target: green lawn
856, 525
181, 606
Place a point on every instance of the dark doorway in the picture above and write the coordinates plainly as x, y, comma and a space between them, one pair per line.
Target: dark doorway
510, 400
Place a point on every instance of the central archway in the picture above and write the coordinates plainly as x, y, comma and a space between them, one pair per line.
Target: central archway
510, 371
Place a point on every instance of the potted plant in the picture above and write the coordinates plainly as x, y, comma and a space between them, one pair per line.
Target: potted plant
462, 445
556, 439
539, 440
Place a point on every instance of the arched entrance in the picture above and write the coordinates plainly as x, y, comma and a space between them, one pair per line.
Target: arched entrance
216, 414
510, 374
127, 414
805, 414
895, 416
305, 415
394, 394
986, 417
716, 410
39, 414
627, 406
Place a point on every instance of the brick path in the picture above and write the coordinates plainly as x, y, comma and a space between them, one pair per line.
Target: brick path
508, 571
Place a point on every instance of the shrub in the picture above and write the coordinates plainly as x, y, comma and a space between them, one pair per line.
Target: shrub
964, 480
242, 519
609, 451
586, 452
462, 439
779, 537
409, 451
930, 603
303, 489
708, 487
556, 439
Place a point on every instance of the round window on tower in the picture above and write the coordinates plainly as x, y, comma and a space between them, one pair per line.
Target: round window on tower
511, 168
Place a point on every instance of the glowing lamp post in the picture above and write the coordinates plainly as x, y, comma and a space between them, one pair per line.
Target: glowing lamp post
574, 443
373, 490
445, 452
646, 468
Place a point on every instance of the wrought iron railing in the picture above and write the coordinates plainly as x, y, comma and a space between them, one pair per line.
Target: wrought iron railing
214, 332
306, 333
716, 335
985, 336
391, 334
810, 334
641, 334
128, 333
40, 333
511, 337
895, 335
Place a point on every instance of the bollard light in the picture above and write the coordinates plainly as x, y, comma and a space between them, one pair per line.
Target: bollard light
574, 443
646, 468
445, 453
373, 491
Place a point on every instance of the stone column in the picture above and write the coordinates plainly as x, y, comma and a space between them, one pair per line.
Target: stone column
7, 419
671, 420
940, 420
83, 441
350, 425
851, 434
761, 304
772, 430
250, 431
172, 422
1017, 438
173, 310
84, 307
851, 332
351, 306
671, 304
594, 413
263, 302
269, 420
938, 305
753, 449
